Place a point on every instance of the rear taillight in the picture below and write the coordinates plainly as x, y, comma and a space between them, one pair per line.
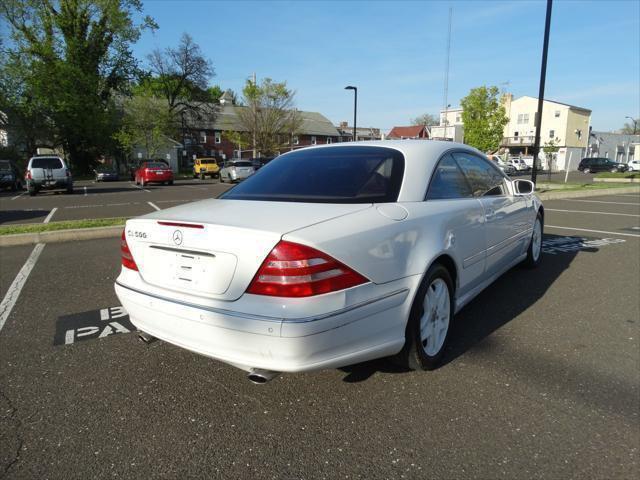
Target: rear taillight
127, 258
293, 270
68, 172
28, 175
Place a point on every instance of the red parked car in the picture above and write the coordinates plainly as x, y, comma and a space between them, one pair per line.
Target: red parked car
150, 172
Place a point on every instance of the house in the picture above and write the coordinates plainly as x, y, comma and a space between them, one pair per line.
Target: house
619, 147
207, 138
362, 133
566, 125
451, 127
414, 132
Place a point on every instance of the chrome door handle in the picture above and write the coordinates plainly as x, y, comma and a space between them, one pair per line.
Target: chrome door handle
490, 213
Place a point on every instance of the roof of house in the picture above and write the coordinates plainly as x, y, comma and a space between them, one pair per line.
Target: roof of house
226, 118
575, 107
406, 132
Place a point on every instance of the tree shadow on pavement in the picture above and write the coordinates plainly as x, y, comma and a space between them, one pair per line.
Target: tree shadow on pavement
21, 215
502, 301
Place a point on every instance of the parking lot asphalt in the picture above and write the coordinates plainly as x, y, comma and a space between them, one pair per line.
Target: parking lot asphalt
103, 200
540, 381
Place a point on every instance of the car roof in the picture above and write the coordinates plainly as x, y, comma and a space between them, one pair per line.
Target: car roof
421, 157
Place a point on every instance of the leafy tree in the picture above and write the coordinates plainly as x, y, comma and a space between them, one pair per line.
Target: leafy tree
269, 116
425, 119
146, 123
484, 118
631, 128
215, 93
550, 150
73, 55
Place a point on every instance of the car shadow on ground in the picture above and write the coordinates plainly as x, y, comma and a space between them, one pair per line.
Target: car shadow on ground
21, 215
502, 301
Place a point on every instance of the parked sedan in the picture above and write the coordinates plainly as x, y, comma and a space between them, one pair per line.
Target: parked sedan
505, 167
153, 172
106, 174
236, 170
330, 256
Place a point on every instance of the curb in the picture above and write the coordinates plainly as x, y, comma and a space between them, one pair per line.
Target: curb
57, 236
115, 231
592, 193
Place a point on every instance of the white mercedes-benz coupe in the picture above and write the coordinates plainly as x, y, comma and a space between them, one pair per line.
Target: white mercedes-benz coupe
330, 256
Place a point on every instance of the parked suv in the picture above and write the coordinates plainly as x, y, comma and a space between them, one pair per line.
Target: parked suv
206, 167
10, 176
599, 164
48, 172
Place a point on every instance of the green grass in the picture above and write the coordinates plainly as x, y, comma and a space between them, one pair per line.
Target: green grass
563, 187
618, 175
50, 227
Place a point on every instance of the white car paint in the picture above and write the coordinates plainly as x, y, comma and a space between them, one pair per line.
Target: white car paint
391, 244
634, 166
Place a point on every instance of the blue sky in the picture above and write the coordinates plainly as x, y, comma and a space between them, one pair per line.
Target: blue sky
394, 52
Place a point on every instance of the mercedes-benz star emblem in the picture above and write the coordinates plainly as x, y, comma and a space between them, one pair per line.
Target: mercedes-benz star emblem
177, 237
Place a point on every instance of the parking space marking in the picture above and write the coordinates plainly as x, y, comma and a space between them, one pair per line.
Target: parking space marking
48, 217
19, 195
600, 201
599, 213
627, 195
91, 325
154, 205
11, 297
554, 246
593, 231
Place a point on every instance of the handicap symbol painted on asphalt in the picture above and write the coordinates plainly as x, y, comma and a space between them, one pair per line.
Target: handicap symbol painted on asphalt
92, 325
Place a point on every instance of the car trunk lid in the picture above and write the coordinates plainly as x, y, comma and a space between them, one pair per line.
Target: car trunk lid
213, 248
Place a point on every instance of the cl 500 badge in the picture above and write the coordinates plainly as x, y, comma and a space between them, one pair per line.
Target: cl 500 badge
136, 234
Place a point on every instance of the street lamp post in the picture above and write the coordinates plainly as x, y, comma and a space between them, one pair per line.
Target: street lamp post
635, 124
355, 109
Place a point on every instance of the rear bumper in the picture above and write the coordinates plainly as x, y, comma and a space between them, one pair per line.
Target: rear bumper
371, 329
158, 178
53, 184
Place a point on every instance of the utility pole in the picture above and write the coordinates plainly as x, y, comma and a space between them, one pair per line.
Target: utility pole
446, 79
255, 120
543, 75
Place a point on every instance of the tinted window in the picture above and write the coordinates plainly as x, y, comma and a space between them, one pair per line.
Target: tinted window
484, 178
448, 181
46, 162
350, 174
240, 164
207, 161
155, 165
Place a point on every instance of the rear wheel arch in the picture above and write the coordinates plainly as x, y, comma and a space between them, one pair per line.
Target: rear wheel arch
541, 212
449, 263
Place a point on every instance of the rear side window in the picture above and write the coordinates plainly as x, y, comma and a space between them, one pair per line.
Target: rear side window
448, 181
46, 162
485, 179
240, 164
350, 174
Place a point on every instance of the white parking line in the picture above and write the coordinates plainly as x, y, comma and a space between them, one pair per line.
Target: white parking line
19, 195
48, 217
625, 195
584, 211
601, 201
11, 297
154, 205
594, 231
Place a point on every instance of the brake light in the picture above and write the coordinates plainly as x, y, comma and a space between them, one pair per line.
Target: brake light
294, 270
180, 224
28, 175
127, 258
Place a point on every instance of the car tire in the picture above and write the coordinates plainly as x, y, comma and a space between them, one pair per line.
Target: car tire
14, 186
534, 252
32, 191
142, 182
70, 189
202, 176
221, 179
170, 182
427, 333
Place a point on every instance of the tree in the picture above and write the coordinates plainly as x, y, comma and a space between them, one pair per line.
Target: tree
550, 150
146, 123
484, 118
631, 128
425, 119
269, 116
73, 55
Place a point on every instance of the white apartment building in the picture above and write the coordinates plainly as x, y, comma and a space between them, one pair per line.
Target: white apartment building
451, 126
567, 125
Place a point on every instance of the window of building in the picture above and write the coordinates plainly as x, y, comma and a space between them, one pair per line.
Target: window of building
218, 137
313, 140
515, 134
523, 118
556, 114
552, 133
458, 118
296, 140
203, 137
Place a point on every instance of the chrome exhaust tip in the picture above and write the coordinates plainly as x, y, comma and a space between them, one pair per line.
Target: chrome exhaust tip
146, 338
259, 376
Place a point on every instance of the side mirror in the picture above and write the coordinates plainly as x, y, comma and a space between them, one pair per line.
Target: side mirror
523, 187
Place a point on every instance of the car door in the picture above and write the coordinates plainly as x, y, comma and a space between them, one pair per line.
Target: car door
450, 203
505, 214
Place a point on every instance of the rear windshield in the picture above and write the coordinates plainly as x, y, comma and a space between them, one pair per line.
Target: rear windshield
240, 164
46, 162
156, 165
207, 161
327, 175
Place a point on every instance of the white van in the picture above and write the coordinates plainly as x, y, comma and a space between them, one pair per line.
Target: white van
48, 172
